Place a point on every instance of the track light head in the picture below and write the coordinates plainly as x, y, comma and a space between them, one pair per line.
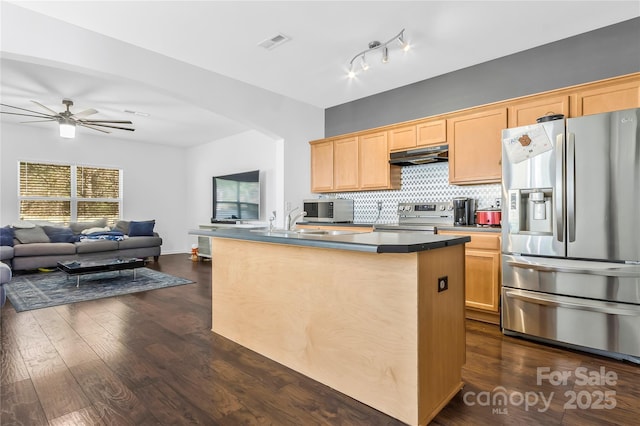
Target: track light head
364, 64
403, 43
385, 55
352, 72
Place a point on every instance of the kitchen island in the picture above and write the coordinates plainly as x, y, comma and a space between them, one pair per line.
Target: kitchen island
377, 316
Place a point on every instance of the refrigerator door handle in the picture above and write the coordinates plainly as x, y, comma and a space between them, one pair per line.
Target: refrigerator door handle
571, 187
628, 271
559, 195
563, 302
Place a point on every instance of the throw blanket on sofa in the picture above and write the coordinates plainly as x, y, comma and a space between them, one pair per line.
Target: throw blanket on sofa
103, 235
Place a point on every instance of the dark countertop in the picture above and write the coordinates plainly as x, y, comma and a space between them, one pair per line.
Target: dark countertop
472, 228
373, 242
364, 225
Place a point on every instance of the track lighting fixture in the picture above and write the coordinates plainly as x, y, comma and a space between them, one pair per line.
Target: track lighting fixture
375, 45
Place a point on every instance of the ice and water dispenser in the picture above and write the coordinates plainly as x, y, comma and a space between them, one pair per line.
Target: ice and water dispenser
530, 211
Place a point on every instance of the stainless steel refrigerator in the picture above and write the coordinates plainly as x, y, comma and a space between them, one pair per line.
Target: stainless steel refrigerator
571, 233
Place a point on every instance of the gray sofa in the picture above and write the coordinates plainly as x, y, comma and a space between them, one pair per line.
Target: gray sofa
5, 277
43, 246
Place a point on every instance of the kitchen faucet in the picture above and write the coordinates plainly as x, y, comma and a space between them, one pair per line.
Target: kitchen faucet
289, 221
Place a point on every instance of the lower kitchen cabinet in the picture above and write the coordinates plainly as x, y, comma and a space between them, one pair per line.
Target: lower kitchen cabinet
482, 275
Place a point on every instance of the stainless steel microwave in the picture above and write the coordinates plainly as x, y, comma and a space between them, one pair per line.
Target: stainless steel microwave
328, 210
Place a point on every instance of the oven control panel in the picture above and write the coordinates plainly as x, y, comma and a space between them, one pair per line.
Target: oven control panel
429, 213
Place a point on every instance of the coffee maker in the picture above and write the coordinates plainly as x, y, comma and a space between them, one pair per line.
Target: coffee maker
463, 211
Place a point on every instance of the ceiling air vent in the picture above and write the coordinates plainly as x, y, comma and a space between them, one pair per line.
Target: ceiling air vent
273, 42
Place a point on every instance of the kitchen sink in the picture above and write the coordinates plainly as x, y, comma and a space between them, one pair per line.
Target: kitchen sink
302, 232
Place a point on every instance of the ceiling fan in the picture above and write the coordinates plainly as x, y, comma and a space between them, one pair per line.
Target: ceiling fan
68, 120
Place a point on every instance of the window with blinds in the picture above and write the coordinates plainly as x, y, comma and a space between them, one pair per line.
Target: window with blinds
69, 193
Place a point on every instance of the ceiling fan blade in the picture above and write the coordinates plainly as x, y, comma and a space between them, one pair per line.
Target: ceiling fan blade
107, 121
82, 123
85, 113
45, 107
92, 127
28, 110
38, 121
31, 115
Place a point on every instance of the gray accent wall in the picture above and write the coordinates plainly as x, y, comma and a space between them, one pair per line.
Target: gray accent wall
607, 52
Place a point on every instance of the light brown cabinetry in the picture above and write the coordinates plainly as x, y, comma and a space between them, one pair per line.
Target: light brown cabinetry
607, 97
433, 132
422, 134
475, 148
353, 163
375, 171
321, 166
402, 138
526, 112
473, 136
345, 164
482, 275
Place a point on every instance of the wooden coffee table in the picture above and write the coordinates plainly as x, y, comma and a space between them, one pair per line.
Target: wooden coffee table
83, 267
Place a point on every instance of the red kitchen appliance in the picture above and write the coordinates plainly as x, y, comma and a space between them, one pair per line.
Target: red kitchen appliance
488, 217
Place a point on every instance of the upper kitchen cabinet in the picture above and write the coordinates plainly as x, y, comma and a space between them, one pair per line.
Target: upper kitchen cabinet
321, 166
525, 112
353, 163
425, 133
606, 97
431, 133
475, 148
402, 138
375, 170
345, 164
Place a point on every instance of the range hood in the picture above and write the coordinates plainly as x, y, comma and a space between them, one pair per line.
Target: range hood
411, 157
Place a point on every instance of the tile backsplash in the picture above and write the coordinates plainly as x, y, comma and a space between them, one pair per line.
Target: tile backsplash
422, 183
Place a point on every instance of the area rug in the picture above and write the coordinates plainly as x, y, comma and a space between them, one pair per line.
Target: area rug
46, 289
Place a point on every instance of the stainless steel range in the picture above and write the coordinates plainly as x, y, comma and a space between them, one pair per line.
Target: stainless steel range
421, 217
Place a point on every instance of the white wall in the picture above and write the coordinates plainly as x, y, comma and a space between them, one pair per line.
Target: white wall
162, 185
279, 117
247, 151
155, 176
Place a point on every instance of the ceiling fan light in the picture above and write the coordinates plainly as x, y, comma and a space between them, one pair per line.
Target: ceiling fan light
67, 129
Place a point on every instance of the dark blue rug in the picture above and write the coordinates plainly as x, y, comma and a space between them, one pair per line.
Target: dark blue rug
46, 289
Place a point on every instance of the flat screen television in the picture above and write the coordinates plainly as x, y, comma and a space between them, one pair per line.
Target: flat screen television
236, 197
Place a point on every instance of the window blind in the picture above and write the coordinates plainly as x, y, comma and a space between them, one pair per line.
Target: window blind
66, 193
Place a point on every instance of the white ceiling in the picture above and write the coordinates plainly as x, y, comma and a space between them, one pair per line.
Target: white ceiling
223, 36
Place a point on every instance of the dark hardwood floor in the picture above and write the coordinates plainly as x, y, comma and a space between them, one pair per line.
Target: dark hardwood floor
151, 359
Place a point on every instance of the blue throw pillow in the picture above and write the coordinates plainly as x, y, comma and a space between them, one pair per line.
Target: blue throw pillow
6, 236
58, 234
142, 228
